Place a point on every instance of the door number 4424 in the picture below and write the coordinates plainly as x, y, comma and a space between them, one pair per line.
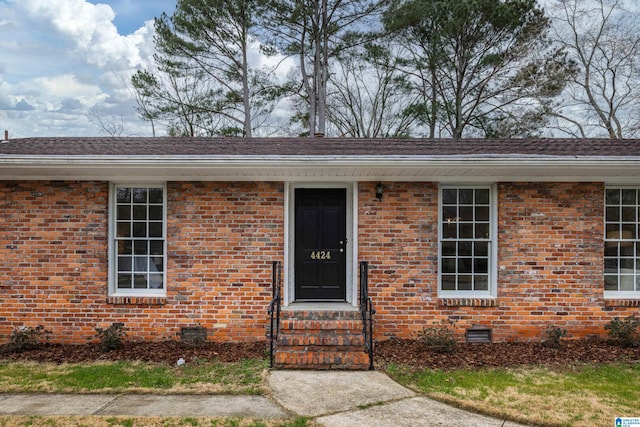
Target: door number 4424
321, 255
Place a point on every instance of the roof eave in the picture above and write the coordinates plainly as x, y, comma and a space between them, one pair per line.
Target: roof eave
488, 168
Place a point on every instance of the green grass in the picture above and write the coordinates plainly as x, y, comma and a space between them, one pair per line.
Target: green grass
118, 376
585, 395
569, 396
245, 374
245, 377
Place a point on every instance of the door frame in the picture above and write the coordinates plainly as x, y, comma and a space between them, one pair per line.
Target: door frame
351, 231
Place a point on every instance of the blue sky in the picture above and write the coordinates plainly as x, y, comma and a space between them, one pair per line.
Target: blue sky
65, 62
131, 14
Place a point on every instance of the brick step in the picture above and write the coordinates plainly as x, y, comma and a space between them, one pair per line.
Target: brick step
321, 315
328, 339
320, 325
348, 360
321, 349
323, 338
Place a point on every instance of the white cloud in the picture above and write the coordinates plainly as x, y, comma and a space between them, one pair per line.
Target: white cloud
62, 60
89, 27
65, 87
6, 101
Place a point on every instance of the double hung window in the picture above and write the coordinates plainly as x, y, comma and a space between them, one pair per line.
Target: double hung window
621, 243
138, 240
467, 228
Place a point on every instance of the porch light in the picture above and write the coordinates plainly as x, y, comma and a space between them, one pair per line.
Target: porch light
379, 189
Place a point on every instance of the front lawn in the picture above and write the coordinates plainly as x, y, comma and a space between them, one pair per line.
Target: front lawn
584, 395
201, 376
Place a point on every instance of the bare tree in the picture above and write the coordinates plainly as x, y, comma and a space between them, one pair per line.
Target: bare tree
111, 125
368, 97
604, 97
315, 31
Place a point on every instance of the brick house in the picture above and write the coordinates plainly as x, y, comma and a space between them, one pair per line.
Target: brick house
506, 238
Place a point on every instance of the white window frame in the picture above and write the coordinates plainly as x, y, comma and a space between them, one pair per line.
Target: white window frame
612, 237
491, 292
113, 274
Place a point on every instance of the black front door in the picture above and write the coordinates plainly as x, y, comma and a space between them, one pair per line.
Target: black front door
320, 244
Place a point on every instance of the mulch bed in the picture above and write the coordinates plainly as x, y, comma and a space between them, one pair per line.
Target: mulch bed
158, 352
408, 352
575, 352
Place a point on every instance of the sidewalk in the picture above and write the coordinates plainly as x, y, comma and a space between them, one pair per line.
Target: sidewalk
331, 398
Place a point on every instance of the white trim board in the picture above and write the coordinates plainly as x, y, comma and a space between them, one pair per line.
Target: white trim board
351, 229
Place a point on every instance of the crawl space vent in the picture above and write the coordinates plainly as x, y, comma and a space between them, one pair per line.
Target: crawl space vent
194, 335
477, 334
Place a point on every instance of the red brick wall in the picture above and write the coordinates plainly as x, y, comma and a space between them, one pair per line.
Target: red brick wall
551, 254
550, 261
53, 253
222, 238
398, 236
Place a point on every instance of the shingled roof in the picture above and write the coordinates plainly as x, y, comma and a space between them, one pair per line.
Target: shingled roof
321, 159
318, 147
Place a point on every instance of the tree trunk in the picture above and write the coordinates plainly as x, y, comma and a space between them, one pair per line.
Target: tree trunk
245, 86
323, 47
433, 113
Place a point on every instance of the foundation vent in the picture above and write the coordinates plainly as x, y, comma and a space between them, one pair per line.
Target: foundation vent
193, 335
478, 334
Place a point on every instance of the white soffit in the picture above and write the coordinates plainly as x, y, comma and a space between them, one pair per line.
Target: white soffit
322, 168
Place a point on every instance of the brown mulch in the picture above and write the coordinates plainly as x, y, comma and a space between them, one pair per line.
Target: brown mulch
417, 354
158, 352
408, 352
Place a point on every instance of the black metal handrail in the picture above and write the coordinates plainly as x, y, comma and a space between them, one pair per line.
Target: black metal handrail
274, 308
366, 310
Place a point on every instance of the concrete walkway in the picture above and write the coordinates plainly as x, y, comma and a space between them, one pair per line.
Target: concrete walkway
331, 398
370, 398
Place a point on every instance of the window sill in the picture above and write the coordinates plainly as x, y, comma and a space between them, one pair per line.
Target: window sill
136, 300
468, 302
622, 302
